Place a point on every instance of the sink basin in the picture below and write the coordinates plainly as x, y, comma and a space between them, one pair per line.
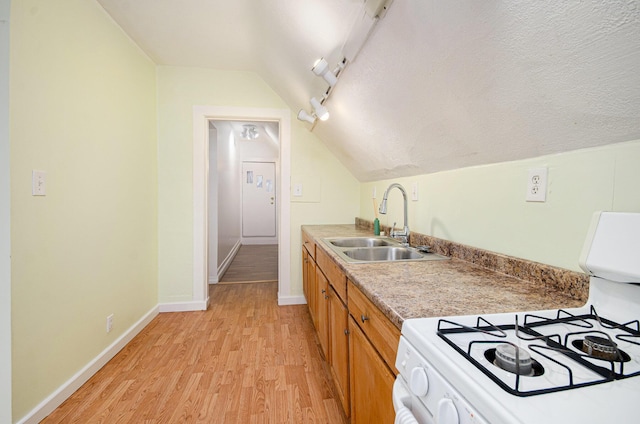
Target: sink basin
383, 254
376, 249
362, 241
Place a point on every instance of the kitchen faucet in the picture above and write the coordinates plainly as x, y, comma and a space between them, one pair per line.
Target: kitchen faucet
404, 235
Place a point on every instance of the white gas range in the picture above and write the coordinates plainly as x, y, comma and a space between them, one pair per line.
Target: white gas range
579, 365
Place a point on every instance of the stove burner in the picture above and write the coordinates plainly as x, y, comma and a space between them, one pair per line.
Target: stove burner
504, 357
601, 348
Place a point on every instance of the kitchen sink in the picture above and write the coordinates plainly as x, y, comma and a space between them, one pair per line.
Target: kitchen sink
383, 254
377, 249
362, 241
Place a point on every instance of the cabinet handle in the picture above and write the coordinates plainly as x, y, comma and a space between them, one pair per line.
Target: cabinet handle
363, 318
323, 291
346, 331
326, 297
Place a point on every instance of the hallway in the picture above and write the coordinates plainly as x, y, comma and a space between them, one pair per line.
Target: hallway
253, 264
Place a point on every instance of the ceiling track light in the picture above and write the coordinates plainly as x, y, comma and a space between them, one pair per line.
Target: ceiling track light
321, 112
321, 69
303, 115
249, 132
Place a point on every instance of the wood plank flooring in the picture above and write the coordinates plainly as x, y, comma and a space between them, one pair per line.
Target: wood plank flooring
253, 263
245, 360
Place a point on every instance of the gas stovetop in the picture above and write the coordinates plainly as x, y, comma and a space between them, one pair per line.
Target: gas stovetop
527, 367
552, 351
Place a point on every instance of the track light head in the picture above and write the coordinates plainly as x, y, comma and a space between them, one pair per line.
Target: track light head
303, 115
321, 112
321, 69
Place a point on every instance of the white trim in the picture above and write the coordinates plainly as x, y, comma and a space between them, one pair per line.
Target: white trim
291, 300
184, 306
227, 261
70, 386
5, 219
201, 116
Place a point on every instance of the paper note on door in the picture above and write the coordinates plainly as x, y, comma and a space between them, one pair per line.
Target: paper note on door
269, 186
259, 181
249, 177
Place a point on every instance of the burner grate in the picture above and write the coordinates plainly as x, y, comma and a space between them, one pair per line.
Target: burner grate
555, 350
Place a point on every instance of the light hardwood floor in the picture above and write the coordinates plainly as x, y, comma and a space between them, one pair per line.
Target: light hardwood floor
253, 263
245, 360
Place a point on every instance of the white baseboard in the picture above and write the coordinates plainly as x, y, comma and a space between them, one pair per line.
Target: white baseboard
291, 300
70, 386
184, 306
227, 261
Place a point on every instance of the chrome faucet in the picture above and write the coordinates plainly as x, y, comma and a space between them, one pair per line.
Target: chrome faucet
404, 235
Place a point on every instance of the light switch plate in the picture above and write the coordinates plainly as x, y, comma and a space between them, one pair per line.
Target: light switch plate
297, 190
38, 183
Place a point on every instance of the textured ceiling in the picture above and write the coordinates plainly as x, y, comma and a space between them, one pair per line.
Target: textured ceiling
439, 84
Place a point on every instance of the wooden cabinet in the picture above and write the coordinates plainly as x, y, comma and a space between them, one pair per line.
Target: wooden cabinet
383, 334
360, 349
309, 284
322, 312
373, 347
371, 381
305, 278
339, 347
334, 274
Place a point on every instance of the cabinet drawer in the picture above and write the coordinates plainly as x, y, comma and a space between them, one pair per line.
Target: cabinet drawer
333, 272
309, 244
384, 336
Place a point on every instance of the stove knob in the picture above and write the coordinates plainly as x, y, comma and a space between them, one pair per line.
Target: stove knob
419, 382
447, 412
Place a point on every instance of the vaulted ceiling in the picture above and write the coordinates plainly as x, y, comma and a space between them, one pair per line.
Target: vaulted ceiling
438, 84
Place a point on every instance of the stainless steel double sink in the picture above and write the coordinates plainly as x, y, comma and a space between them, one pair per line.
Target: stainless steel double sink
377, 249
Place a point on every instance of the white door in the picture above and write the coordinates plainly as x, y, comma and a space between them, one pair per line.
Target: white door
258, 199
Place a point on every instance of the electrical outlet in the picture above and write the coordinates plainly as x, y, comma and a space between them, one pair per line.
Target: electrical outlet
414, 192
297, 190
109, 323
537, 185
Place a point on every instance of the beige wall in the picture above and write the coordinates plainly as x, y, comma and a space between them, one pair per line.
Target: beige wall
179, 89
330, 193
484, 206
83, 109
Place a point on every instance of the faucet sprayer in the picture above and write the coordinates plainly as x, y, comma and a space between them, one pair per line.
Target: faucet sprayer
404, 235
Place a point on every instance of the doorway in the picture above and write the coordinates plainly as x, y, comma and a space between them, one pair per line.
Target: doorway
243, 168
202, 116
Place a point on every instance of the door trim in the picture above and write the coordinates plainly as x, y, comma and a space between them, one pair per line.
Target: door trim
201, 117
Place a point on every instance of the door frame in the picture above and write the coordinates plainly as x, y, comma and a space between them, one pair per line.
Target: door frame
201, 117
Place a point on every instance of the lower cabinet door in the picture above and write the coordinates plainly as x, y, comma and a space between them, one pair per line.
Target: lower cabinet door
339, 346
371, 381
322, 305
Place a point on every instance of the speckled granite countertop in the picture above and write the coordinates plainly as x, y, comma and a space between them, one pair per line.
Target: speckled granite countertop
451, 287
